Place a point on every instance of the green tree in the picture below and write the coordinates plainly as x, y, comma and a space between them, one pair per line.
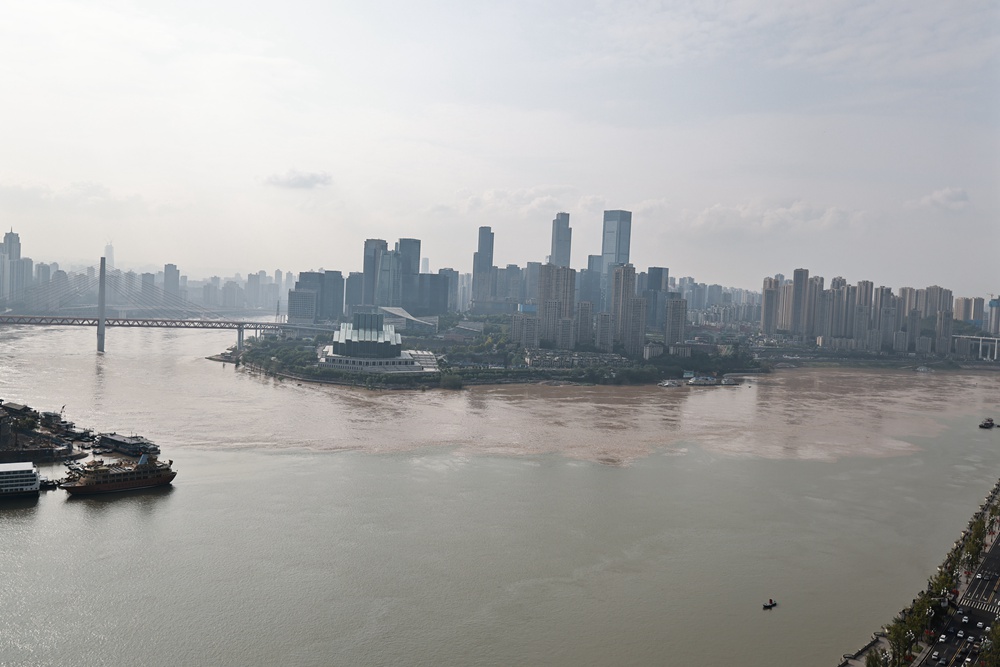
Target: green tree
990, 656
875, 658
900, 639
974, 541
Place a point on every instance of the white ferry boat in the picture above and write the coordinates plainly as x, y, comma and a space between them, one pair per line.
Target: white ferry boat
703, 381
18, 479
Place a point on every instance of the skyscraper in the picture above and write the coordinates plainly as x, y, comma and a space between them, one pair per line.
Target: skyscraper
409, 272
617, 238
451, 275
562, 237
482, 267
12, 245
353, 287
388, 280
331, 308
373, 254
11, 278
109, 256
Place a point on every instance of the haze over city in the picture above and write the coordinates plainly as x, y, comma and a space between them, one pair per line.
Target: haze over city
747, 138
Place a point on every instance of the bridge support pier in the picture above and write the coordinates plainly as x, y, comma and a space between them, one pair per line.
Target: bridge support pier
239, 339
101, 315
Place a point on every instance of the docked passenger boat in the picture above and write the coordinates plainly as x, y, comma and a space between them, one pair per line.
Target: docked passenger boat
669, 383
703, 381
100, 477
987, 423
19, 479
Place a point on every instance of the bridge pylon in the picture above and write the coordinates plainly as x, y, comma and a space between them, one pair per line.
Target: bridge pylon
101, 314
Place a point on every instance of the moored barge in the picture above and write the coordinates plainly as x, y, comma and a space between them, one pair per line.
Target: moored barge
19, 479
100, 477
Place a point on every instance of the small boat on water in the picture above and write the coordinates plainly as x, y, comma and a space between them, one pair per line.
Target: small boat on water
770, 604
987, 423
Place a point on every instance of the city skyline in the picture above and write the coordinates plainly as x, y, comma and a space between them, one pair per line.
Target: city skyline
854, 138
170, 274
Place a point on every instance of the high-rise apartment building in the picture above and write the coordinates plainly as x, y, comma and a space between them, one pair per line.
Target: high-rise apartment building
556, 296
562, 237
675, 321
768, 307
942, 330
633, 329
524, 330
171, 284
590, 282
800, 295
622, 289
603, 332
584, 323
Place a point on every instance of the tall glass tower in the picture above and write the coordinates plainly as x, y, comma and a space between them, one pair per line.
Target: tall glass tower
562, 237
617, 237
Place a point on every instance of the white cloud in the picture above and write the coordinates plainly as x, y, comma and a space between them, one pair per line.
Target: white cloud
300, 180
853, 38
522, 202
951, 199
761, 219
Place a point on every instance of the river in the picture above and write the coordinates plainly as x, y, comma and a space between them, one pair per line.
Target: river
513, 525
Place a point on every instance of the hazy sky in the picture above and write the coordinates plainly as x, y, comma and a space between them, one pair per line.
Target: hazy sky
751, 137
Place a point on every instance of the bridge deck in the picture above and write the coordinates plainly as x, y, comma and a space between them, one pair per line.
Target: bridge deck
47, 320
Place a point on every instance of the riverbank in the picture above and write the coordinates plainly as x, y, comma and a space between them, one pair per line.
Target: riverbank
960, 569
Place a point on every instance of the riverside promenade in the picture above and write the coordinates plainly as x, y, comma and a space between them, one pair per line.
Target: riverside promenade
979, 596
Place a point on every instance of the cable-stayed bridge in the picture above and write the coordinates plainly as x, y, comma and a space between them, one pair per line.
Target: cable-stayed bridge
120, 300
